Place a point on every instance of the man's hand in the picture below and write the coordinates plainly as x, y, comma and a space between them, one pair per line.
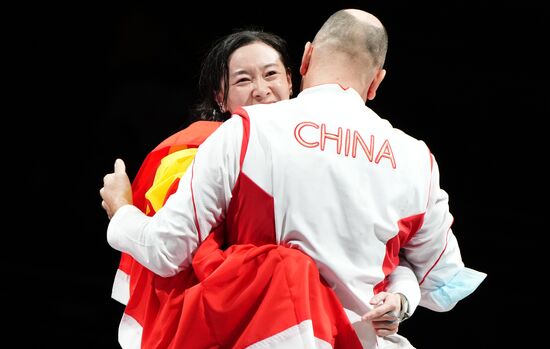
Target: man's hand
117, 190
385, 315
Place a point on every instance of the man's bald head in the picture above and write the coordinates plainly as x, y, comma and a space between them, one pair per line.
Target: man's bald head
356, 33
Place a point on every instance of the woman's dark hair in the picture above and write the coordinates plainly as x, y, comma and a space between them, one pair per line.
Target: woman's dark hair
215, 68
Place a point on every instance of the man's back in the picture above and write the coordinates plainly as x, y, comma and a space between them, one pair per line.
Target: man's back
347, 188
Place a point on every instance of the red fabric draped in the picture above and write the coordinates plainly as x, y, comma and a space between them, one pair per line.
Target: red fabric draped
246, 294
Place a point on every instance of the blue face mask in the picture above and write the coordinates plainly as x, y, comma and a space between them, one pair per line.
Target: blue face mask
459, 287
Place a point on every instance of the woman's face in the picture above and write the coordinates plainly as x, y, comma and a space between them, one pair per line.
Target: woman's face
256, 76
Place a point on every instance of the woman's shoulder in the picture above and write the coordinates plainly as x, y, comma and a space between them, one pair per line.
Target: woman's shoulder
191, 136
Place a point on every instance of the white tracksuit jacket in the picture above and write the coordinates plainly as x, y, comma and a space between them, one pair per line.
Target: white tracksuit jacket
324, 173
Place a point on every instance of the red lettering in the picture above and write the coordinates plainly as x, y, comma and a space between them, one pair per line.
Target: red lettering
351, 140
298, 135
337, 137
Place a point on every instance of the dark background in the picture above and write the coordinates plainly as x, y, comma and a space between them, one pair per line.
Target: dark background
95, 81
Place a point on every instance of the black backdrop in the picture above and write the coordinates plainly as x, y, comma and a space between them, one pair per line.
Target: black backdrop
100, 81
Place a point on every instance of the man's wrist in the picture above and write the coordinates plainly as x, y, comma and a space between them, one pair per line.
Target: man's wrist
404, 311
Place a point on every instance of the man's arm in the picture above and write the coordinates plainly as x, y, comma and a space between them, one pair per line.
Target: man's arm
143, 237
165, 243
435, 256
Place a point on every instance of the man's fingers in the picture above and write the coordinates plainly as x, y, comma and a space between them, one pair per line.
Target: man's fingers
378, 312
120, 167
385, 332
106, 208
378, 299
381, 314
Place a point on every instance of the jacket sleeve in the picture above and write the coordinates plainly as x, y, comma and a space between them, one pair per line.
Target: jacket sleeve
435, 256
403, 280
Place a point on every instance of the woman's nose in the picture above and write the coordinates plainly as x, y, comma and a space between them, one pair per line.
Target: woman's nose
261, 89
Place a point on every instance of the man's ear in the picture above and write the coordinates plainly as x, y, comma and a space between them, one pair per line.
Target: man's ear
380, 75
304, 66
